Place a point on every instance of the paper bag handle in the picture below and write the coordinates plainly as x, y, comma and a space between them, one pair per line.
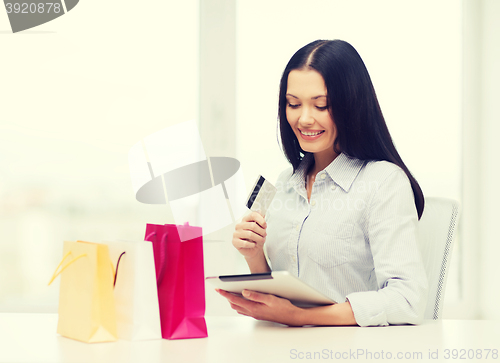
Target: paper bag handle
163, 266
65, 266
149, 235
115, 272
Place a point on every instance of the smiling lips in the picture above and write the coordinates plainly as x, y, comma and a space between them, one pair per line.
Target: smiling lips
311, 135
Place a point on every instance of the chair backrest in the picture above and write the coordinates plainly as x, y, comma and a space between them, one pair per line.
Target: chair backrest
436, 231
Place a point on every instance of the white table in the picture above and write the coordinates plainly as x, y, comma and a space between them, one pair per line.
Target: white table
32, 338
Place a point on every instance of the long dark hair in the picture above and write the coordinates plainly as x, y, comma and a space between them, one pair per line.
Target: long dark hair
361, 129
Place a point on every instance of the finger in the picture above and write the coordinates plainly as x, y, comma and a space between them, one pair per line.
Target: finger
258, 297
257, 217
242, 302
239, 309
234, 305
252, 226
255, 227
239, 243
232, 297
249, 236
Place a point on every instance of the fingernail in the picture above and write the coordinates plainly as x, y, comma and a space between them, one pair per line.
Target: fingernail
246, 293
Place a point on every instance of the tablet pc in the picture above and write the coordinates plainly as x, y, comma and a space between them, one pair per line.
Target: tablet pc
279, 283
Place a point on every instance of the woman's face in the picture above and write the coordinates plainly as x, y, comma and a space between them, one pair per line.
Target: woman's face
307, 112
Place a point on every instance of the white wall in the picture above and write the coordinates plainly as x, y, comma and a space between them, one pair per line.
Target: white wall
489, 149
481, 56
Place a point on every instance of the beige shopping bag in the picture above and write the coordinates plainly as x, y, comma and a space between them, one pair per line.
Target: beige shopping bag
86, 301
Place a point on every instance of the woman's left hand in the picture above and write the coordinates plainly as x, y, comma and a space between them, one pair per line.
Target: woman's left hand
262, 306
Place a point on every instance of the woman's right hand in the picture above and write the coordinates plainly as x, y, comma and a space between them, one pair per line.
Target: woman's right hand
250, 235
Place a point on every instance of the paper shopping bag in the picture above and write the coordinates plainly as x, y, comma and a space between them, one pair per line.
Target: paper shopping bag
86, 301
136, 295
180, 279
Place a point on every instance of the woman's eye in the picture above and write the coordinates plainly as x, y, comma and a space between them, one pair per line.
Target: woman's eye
291, 105
322, 108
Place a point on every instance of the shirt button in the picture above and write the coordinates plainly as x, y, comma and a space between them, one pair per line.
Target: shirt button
294, 259
313, 202
297, 227
323, 176
333, 186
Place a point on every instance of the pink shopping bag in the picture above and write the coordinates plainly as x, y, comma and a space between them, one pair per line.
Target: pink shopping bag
178, 255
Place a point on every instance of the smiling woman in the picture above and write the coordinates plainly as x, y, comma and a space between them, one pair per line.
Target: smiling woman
335, 69
308, 114
357, 245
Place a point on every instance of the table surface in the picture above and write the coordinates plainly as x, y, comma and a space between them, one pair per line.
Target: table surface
32, 338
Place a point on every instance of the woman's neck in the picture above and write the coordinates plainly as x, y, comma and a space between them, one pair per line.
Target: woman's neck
321, 161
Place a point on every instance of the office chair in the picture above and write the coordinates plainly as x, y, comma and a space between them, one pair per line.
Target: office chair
436, 231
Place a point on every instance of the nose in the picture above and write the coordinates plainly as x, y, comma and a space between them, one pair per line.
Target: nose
306, 118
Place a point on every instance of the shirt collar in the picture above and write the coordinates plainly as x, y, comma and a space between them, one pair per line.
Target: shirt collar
343, 170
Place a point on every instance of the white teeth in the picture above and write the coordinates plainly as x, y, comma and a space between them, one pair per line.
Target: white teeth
310, 133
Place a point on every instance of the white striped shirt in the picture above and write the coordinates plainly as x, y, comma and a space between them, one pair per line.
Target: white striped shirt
354, 240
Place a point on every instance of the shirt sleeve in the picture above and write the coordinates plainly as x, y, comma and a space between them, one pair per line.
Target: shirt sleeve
402, 283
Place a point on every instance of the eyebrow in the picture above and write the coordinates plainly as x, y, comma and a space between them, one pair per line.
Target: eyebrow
312, 98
